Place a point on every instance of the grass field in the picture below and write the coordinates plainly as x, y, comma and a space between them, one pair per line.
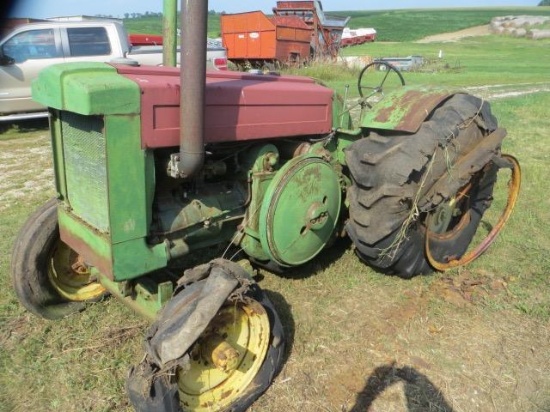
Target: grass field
472, 339
391, 25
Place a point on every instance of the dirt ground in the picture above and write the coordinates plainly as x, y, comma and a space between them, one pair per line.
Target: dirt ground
457, 35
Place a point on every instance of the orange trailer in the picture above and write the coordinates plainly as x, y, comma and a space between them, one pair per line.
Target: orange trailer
255, 40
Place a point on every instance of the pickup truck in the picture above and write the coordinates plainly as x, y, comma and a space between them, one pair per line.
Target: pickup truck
31, 47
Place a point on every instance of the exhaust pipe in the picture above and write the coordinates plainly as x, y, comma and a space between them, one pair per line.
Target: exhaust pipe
194, 16
169, 28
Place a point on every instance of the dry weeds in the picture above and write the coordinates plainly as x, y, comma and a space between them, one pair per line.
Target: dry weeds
25, 169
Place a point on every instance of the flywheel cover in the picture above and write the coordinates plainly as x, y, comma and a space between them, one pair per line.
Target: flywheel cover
300, 210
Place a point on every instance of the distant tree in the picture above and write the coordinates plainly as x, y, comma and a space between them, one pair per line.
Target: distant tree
544, 3
126, 15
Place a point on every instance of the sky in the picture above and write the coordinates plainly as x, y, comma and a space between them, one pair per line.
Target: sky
117, 8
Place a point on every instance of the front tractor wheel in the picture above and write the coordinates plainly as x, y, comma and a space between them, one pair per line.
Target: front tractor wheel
213, 348
231, 354
50, 279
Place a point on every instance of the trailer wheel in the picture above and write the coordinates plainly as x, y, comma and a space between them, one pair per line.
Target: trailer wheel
49, 278
390, 215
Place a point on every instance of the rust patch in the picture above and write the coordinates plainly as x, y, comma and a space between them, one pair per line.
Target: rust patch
226, 394
90, 256
406, 112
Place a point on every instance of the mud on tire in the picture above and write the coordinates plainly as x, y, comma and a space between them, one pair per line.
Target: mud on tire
392, 173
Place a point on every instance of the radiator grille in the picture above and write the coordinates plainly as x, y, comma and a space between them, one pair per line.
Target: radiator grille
86, 168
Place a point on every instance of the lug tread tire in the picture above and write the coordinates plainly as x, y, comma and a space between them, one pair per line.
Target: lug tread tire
389, 170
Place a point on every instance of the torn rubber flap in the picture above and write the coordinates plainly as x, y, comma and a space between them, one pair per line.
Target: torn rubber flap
200, 294
189, 312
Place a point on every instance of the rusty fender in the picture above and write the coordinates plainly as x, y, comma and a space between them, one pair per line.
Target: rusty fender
487, 150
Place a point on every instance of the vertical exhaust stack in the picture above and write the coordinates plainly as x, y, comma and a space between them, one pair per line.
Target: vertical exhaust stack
194, 16
169, 32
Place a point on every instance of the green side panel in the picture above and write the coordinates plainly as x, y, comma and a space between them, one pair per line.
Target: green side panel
135, 258
341, 118
86, 88
404, 109
84, 151
126, 260
129, 178
94, 247
57, 153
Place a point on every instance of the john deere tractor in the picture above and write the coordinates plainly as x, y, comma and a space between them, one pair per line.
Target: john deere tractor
154, 165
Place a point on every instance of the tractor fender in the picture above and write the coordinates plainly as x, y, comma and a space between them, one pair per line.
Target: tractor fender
405, 109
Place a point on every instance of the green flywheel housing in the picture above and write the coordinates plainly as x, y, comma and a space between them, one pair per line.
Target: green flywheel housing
300, 210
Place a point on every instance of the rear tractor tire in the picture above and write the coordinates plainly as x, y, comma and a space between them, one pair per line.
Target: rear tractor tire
49, 278
395, 227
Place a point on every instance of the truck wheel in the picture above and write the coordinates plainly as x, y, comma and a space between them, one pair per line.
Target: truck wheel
49, 278
392, 173
253, 331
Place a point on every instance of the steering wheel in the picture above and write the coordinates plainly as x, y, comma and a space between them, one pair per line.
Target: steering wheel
380, 74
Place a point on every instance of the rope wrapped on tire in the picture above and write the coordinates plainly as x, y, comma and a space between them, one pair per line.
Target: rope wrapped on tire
399, 178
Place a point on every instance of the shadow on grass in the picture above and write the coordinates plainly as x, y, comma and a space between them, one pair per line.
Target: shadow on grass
420, 393
285, 314
12, 129
323, 260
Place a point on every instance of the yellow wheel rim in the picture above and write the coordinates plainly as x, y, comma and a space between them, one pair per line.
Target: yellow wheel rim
70, 276
514, 185
226, 358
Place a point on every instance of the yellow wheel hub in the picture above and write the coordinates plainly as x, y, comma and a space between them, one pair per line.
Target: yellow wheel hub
70, 276
226, 358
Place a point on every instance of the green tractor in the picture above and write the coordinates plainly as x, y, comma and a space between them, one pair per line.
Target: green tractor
154, 165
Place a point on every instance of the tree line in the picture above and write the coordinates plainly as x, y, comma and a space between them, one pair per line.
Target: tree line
153, 14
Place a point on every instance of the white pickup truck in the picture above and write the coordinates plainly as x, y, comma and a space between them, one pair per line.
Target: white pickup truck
31, 47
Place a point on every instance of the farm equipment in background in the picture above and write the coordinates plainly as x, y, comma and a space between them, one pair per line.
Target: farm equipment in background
353, 37
327, 29
298, 32
138, 39
165, 163
254, 40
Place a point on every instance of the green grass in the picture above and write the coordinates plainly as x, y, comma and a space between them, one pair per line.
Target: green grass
342, 319
391, 25
410, 25
470, 62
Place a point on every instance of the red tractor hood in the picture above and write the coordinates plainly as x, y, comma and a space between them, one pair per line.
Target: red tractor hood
239, 106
